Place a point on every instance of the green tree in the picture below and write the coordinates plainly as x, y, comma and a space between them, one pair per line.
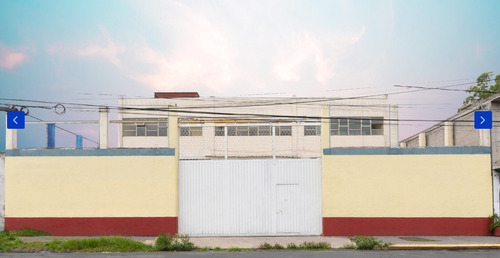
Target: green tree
484, 88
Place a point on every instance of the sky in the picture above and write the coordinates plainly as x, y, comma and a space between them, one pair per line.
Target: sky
93, 51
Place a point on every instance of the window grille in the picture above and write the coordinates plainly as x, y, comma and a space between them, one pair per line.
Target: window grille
310, 130
142, 127
356, 126
253, 130
191, 131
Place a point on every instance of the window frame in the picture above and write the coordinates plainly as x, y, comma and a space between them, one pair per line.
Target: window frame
143, 127
312, 130
356, 126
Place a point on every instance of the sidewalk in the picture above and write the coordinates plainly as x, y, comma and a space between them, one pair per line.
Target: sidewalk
398, 243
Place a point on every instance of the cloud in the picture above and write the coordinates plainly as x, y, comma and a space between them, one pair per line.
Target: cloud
104, 48
11, 58
201, 55
322, 52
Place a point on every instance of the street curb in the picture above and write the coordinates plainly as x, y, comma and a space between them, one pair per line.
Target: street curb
444, 247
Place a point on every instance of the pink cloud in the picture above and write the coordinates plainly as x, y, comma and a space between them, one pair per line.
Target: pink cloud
322, 52
11, 58
203, 54
105, 49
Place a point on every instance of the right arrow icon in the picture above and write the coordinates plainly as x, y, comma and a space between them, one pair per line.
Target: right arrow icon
483, 119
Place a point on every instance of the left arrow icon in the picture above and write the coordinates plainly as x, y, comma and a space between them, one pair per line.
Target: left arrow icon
15, 120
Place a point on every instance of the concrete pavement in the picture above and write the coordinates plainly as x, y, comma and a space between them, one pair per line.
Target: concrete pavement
400, 243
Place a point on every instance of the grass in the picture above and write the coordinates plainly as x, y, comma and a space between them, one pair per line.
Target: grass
238, 249
366, 243
102, 244
176, 243
293, 246
10, 241
418, 239
26, 232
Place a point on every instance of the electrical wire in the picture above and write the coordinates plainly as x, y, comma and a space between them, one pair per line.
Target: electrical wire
65, 130
183, 109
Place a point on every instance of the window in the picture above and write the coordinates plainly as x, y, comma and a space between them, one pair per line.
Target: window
310, 130
246, 131
143, 127
283, 130
219, 131
356, 126
191, 131
253, 130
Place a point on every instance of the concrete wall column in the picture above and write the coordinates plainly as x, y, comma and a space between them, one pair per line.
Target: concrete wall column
173, 142
422, 141
448, 134
393, 134
10, 139
325, 128
103, 127
484, 137
120, 125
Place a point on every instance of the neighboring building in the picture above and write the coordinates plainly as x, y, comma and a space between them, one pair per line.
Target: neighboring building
256, 127
458, 130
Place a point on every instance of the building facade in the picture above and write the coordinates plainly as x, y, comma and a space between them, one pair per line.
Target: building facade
212, 128
458, 131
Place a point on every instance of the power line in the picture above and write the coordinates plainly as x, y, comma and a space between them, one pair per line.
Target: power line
65, 130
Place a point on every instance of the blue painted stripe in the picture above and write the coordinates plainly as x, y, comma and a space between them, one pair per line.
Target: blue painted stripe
90, 152
407, 151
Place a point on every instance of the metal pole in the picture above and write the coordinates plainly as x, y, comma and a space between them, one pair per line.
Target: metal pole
225, 142
51, 136
274, 142
79, 140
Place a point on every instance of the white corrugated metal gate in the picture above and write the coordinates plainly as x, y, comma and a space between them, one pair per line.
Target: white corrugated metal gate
250, 197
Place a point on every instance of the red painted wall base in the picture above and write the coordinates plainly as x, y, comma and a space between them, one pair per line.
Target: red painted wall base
406, 226
137, 226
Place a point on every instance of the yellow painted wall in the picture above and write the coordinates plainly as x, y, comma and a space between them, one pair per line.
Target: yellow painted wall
407, 186
91, 186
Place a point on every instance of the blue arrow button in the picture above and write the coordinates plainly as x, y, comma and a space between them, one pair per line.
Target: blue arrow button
15, 120
483, 119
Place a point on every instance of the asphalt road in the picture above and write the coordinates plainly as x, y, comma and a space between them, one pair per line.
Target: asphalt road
277, 254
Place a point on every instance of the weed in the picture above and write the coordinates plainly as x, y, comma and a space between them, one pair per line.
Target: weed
217, 249
102, 244
54, 245
278, 246
266, 246
165, 242
9, 242
315, 246
238, 249
30, 247
26, 232
303, 246
349, 246
368, 242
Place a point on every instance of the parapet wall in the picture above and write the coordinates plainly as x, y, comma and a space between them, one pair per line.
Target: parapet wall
92, 192
426, 191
